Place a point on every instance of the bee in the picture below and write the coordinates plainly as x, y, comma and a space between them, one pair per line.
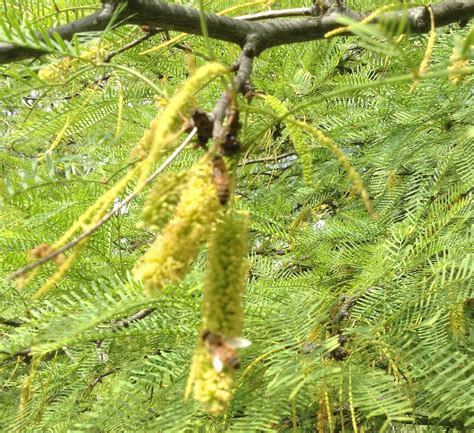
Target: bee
223, 350
221, 179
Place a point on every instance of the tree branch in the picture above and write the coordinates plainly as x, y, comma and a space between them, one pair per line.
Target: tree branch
280, 32
240, 30
115, 325
131, 45
268, 159
96, 22
10, 322
99, 378
240, 84
125, 323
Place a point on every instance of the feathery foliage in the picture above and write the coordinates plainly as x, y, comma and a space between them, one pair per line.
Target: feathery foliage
358, 321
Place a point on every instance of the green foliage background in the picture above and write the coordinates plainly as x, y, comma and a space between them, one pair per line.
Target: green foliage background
409, 350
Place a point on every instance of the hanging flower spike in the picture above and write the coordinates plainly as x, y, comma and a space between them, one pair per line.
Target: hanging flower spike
162, 200
216, 360
170, 257
459, 58
211, 388
227, 275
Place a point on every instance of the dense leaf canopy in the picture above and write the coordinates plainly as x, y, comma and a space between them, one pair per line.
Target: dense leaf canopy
344, 161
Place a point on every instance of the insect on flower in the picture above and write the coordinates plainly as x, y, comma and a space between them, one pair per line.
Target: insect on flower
223, 350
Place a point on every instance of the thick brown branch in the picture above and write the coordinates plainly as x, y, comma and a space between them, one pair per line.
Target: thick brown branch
280, 32
169, 16
241, 80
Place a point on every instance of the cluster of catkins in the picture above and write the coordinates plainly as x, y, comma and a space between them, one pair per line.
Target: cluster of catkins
186, 205
193, 198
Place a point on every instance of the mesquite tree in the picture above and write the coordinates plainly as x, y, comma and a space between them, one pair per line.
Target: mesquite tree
246, 216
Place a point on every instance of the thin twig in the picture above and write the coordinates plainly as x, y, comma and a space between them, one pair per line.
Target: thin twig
283, 13
132, 44
10, 322
268, 159
110, 214
99, 378
115, 325
125, 323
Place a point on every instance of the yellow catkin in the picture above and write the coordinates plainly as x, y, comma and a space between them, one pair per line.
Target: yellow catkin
56, 277
172, 41
393, 179
168, 121
57, 140
428, 52
211, 388
342, 158
457, 64
163, 199
27, 388
327, 404
191, 62
351, 403
88, 219
321, 417
457, 320
227, 274
97, 210
222, 309
366, 20
69, 121
458, 59
62, 69
170, 256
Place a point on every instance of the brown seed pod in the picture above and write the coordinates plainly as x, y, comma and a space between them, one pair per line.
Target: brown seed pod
44, 250
221, 179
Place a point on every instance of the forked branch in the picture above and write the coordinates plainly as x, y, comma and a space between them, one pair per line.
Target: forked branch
265, 31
